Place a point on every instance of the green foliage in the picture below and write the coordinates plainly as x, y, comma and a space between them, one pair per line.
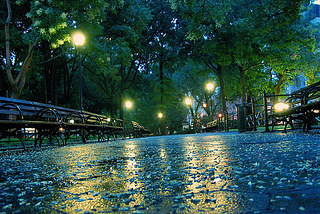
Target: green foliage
156, 52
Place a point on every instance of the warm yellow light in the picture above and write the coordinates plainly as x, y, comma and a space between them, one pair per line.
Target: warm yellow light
281, 106
204, 105
188, 101
160, 115
220, 115
128, 104
210, 86
78, 39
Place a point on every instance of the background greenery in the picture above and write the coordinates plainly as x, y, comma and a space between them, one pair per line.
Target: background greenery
155, 53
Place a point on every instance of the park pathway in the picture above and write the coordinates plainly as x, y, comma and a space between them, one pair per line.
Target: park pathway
199, 173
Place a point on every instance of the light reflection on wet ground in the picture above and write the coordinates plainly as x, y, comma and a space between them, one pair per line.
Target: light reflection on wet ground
216, 173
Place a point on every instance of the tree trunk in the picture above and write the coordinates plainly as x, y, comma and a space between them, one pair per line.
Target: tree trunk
243, 84
112, 105
48, 72
122, 105
277, 88
161, 78
122, 94
18, 83
222, 90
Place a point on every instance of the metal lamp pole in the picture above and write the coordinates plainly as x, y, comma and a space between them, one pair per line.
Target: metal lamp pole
210, 87
80, 82
78, 39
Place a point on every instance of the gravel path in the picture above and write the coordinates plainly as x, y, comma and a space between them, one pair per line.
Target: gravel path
201, 173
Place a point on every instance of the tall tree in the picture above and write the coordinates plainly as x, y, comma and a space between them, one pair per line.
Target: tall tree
165, 38
50, 22
45, 24
242, 34
119, 57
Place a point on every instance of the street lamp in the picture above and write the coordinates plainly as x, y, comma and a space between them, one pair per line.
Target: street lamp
78, 39
161, 132
210, 87
128, 104
188, 101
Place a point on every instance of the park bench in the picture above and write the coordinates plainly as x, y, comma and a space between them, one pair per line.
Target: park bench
139, 130
223, 123
211, 126
304, 107
18, 117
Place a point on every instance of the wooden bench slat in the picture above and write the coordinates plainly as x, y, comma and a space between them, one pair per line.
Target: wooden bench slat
18, 114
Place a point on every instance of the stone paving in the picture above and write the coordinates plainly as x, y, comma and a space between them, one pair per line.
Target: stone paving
199, 173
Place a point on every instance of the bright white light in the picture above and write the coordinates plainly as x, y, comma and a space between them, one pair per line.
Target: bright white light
210, 86
316, 2
281, 106
128, 104
188, 101
78, 39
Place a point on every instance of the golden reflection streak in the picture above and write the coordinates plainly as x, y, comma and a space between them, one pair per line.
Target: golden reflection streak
201, 157
87, 183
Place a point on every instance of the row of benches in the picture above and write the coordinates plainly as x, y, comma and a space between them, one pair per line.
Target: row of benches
18, 117
302, 107
139, 130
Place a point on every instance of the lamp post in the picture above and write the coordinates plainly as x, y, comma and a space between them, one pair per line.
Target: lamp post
210, 87
188, 102
128, 106
160, 115
78, 40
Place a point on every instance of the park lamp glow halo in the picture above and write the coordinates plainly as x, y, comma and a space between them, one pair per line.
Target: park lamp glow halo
210, 86
128, 104
160, 115
78, 39
281, 107
188, 101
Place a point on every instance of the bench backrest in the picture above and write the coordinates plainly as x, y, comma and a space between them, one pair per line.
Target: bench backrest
17, 109
304, 95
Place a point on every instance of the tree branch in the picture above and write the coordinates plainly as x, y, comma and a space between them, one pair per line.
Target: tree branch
7, 32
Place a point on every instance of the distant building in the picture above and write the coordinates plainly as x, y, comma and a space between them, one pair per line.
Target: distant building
299, 82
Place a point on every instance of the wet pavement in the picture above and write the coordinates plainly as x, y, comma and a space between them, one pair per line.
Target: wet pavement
200, 173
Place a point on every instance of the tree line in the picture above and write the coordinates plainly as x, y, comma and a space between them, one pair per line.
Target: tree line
154, 53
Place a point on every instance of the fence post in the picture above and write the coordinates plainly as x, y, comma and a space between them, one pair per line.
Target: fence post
254, 114
265, 102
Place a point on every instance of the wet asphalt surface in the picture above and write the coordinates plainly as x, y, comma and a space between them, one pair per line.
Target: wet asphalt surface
199, 173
